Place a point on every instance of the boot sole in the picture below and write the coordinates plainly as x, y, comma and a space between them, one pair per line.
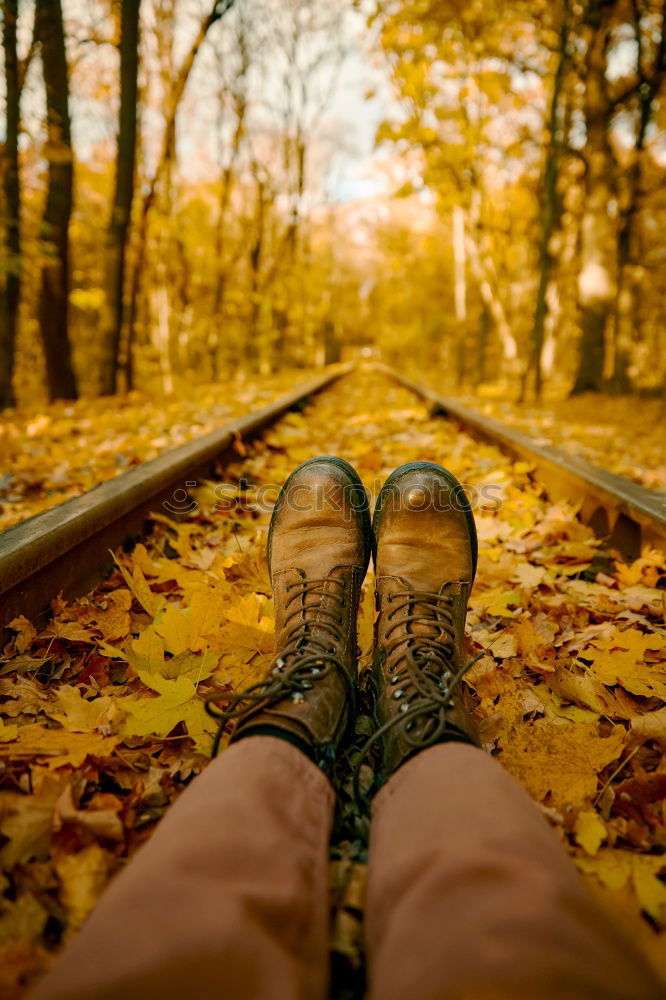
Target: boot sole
355, 480
451, 481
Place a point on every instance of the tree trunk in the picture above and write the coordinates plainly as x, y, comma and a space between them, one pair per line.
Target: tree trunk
459, 290
116, 238
494, 306
253, 353
53, 305
11, 292
625, 302
627, 286
223, 265
484, 328
218, 10
549, 207
596, 284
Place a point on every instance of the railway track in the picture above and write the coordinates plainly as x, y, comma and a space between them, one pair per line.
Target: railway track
66, 549
558, 611
626, 514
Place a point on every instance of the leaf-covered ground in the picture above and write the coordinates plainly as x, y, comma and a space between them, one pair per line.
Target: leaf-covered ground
621, 433
103, 714
50, 454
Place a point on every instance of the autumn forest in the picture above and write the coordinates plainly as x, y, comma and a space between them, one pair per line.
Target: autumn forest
171, 212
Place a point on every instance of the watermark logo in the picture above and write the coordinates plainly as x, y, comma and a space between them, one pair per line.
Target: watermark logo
348, 499
181, 500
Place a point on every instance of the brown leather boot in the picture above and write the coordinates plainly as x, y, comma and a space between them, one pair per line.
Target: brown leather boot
319, 544
425, 564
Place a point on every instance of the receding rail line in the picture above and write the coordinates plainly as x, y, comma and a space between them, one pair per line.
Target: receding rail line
627, 514
66, 548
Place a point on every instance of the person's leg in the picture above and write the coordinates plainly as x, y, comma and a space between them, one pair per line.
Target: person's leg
471, 896
229, 898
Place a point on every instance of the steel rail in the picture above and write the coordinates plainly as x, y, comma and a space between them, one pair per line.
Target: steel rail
627, 514
67, 548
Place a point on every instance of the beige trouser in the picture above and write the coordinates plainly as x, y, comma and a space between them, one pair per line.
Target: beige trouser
470, 894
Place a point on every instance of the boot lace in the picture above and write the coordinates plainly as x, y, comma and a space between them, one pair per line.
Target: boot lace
308, 656
424, 674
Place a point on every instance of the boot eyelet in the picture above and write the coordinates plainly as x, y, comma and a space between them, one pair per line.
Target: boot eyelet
386, 635
389, 598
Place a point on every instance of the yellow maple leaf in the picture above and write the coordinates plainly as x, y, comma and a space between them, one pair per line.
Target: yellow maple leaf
176, 701
620, 659
560, 762
207, 608
196, 666
113, 622
76, 713
246, 628
173, 627
146, 652
71, 631
58, 746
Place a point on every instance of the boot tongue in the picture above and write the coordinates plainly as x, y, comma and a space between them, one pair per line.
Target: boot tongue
432, 624
326, 598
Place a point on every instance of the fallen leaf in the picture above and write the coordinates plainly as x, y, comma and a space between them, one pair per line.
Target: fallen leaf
58, 746
590, 831
177, 702
560, 762
614, 867
82, 878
